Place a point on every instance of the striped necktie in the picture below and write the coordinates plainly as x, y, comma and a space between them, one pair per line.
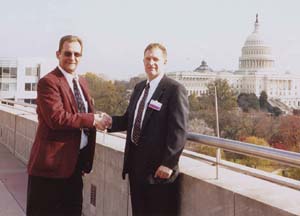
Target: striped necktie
78, 98
79, 101
137, 124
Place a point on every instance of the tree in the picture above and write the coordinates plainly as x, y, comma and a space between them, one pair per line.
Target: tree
256, 140
277, 141
252, 161
195, 106
248, 101
276, 111
289, 131
263, 100
292, 172
108, 97
225, 94
134, 80
227, 103
264, 125
200, 126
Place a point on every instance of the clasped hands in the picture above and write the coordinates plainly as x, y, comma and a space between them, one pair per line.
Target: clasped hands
102, 121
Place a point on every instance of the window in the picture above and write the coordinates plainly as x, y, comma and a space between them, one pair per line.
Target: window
34, 87
6, 72
28, 71
30, 86
30, 101
4, 86
27, 86
13, 72
32, 71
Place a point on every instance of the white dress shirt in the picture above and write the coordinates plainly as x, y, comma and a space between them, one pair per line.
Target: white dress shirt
153, 85
69, 77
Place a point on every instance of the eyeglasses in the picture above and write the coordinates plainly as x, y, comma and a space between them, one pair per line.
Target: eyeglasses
69, 54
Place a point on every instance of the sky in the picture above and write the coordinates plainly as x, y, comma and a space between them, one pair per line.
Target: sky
115, 32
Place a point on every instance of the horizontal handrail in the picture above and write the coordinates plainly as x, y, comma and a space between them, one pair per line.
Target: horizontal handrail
18, 103
286, 157
24, 107
278, 155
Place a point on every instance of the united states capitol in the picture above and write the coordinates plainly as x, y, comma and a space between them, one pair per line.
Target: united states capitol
208, 186
256, 73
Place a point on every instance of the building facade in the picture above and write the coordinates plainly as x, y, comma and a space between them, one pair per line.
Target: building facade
19, 77
256, 73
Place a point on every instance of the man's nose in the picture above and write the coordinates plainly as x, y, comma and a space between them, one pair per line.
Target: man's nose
151, 61
73, 56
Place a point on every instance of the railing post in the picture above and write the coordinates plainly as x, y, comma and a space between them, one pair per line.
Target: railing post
218, 153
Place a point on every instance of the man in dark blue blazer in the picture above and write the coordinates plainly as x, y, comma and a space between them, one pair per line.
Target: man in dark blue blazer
156, 122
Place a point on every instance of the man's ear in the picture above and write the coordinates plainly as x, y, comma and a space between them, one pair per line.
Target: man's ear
57, 54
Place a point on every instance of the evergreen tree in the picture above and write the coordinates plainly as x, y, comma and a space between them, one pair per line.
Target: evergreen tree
263, 100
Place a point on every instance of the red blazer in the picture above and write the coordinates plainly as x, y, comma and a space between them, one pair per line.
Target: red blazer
57, 143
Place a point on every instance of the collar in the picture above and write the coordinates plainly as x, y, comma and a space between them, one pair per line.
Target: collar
67, 75
156, 80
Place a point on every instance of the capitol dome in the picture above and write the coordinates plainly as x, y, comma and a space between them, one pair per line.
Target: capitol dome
203, 68
256, 54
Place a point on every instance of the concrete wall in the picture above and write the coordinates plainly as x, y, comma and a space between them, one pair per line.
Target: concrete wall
233, 194
7, 129
17, 131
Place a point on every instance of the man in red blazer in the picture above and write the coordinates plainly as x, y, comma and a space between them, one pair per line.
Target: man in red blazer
63, 149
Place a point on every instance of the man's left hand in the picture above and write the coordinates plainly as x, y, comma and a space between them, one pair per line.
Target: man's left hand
163, 172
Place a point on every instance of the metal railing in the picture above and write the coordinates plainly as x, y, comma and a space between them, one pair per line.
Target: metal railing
281, 156
26, 107
4, 101
289, 158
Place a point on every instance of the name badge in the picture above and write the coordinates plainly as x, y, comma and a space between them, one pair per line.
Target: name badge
154, 104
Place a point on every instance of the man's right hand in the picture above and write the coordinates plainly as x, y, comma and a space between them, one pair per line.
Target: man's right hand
102, 121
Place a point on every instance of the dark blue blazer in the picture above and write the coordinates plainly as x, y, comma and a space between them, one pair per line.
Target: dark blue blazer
163, 133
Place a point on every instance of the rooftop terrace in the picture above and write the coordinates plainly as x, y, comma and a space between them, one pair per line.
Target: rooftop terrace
238, 190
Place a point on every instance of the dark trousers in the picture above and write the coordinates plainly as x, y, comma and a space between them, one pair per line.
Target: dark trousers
55, 197
154, 199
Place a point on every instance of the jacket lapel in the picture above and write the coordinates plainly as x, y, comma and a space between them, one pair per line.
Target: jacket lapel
66, 88
156, 95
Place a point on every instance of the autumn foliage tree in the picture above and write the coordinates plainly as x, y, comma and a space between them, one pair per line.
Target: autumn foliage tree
108, 96
227, 102
288, 133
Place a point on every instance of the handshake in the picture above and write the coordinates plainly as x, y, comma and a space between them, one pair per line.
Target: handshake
102, 121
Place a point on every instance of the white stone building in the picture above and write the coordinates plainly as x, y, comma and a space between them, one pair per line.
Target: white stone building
256, 73
19, 77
